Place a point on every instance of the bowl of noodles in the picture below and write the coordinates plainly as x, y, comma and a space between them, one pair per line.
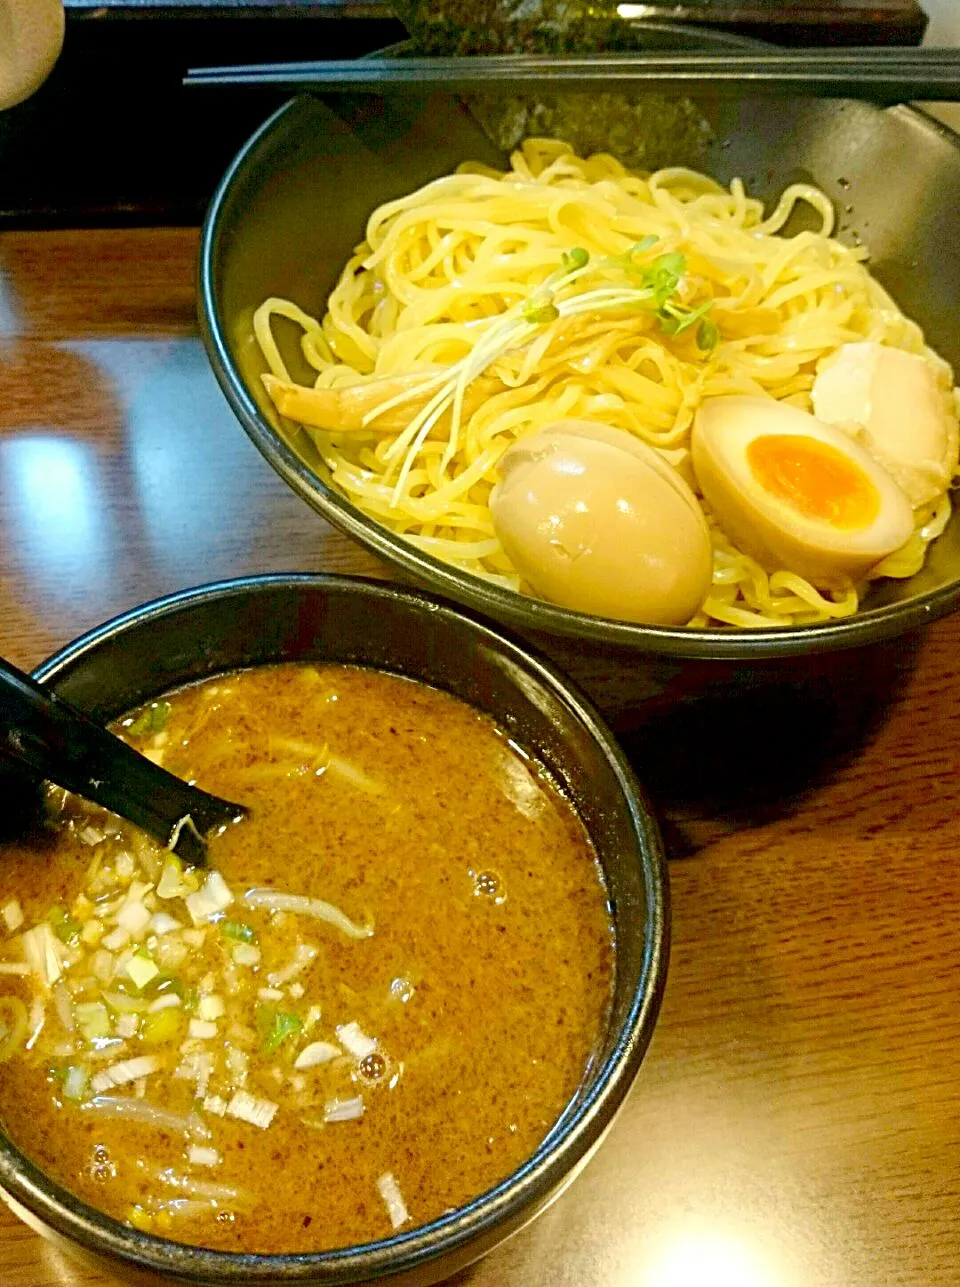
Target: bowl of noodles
695, 404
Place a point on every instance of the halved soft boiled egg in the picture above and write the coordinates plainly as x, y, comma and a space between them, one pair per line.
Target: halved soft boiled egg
594, 519
795, 493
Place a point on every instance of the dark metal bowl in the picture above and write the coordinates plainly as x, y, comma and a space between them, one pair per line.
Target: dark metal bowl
263, 620
293, 205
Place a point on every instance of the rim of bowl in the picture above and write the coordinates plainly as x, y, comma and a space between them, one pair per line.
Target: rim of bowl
521, 612
566, 1145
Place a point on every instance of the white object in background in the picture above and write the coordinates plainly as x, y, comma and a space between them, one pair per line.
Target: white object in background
31, 36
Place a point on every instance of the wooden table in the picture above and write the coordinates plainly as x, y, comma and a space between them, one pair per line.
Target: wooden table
797, 1120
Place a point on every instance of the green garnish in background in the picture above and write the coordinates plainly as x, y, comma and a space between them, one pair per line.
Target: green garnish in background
658, 285
152, 720
238, 931
64, 926
663, 277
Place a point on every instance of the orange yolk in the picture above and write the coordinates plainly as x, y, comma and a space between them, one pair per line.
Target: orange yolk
815, 478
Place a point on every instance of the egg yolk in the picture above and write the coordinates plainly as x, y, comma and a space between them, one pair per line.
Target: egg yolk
815, 478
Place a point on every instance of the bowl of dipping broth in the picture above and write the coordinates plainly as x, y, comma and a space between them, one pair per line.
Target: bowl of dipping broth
444, 919
690, 400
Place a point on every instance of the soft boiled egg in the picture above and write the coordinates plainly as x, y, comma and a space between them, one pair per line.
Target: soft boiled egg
795, 493
893, 403
594, 519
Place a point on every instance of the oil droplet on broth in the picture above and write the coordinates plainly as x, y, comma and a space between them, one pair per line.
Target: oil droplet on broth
101, 1167
402, 989
372, 1066
487, 884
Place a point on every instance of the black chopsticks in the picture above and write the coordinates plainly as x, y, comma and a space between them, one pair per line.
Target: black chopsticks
882, 74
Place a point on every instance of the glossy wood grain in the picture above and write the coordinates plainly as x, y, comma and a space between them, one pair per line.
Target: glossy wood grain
797, 1121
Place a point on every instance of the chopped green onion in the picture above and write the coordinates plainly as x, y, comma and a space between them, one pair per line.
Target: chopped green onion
152, 720
142, 968
246, 954
211, 1007
161, 1026
43, 955
124, 1003
208, 902
172, 883
238, 931
93, 1020
75, 1083
251, 1108
274, 1027
64, 926
73, 1080
12, 914
164, 983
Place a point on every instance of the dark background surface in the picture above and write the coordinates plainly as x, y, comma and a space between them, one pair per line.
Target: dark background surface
113, 138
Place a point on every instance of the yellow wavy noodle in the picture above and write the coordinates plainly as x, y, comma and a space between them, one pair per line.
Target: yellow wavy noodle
441, 267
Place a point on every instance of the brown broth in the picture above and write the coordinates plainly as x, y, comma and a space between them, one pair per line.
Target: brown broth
486, 981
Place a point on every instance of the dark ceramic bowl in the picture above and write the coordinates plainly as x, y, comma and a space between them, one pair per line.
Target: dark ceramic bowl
263, 620
294, 204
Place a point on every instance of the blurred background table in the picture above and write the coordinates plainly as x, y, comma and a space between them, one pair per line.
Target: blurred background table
113, 137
